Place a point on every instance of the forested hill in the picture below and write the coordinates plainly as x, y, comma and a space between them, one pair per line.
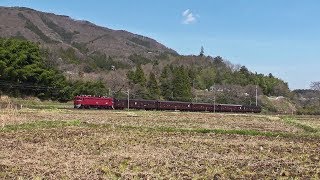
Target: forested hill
97, 60
25, 69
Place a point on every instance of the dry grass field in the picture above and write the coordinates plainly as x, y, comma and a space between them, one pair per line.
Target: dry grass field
51, 143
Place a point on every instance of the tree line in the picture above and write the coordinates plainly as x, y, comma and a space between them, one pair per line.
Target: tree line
174, 84
24, 72
180, 83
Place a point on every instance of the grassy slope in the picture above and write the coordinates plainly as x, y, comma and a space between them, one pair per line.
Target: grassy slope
278, 105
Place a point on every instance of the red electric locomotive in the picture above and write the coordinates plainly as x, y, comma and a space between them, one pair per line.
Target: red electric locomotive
93, 102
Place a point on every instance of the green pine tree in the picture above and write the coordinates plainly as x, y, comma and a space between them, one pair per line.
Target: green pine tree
153, 87
166, 84
182, 85
140, 77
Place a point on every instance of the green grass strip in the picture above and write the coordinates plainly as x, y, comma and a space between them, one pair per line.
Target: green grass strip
297, 124
40, 125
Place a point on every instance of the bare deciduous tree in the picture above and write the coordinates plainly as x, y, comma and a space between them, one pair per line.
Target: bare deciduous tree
315, 85
116, 81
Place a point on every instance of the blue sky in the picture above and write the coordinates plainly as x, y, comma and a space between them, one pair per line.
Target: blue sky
281, 37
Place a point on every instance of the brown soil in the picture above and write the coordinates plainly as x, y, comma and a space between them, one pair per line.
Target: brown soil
114, 152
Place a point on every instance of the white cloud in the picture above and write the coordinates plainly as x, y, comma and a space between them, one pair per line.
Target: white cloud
186, 12
189, 17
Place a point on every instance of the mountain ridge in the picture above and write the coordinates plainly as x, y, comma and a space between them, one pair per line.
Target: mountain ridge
55, 31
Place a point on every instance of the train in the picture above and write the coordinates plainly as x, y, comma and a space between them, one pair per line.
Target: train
87, 102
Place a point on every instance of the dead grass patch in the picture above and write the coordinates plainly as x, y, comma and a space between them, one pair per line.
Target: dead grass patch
313, 121
111, 152
76, 144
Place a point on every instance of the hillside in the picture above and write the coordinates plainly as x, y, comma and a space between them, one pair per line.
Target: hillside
117, 61
76, 41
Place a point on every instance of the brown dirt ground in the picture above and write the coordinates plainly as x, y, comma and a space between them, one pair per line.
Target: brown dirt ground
114, 152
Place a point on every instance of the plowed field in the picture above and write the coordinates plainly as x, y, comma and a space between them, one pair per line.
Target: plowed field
93, 144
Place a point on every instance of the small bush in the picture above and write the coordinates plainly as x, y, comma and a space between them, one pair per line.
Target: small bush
106, 63
69, 55
138, 59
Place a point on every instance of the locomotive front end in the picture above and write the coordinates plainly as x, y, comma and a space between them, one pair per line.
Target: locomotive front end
77, 102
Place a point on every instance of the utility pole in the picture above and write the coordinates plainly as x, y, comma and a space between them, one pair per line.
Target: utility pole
214, 104
128, 101
193, 91
109, 93
214, 98
128, 92
256, 95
